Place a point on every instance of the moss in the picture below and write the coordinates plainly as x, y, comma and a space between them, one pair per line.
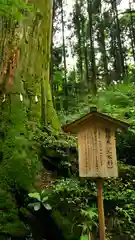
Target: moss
10, 222
19, 162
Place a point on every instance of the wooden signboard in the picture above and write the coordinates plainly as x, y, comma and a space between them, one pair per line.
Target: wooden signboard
97, 152
96, 144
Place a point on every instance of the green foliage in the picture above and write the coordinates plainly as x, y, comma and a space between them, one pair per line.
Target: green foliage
50, 139
14, 9
17, 150
19, 164
40, 199
72, 197
10, 222
91, 219
116, 101
84, 237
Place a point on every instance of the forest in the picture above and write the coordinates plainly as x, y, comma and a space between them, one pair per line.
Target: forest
58, 59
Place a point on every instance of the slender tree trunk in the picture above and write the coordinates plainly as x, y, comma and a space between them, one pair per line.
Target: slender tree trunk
51, 63
85, 54
116, 73
64, 57
103, 46
104, 54
132, 32
79, 37
120, 49
92, 53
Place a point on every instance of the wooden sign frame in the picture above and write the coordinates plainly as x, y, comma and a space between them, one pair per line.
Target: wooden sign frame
97, 144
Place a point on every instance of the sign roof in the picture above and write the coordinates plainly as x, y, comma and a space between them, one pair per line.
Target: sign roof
93, 115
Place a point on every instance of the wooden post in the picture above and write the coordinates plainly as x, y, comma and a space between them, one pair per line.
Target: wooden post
101, 209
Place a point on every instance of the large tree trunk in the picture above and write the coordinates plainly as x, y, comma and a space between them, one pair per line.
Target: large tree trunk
38, 55
33, 68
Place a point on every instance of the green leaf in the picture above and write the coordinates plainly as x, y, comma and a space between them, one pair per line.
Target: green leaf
35, 195
31, 205
85, 237
44, 199
37, 206
47, 206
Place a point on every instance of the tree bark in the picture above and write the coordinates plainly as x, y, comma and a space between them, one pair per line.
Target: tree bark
64, 57
132, 31
120, 49
79, 37
92, 53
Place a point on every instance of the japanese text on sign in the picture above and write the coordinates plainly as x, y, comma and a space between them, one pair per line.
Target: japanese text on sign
109, 149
